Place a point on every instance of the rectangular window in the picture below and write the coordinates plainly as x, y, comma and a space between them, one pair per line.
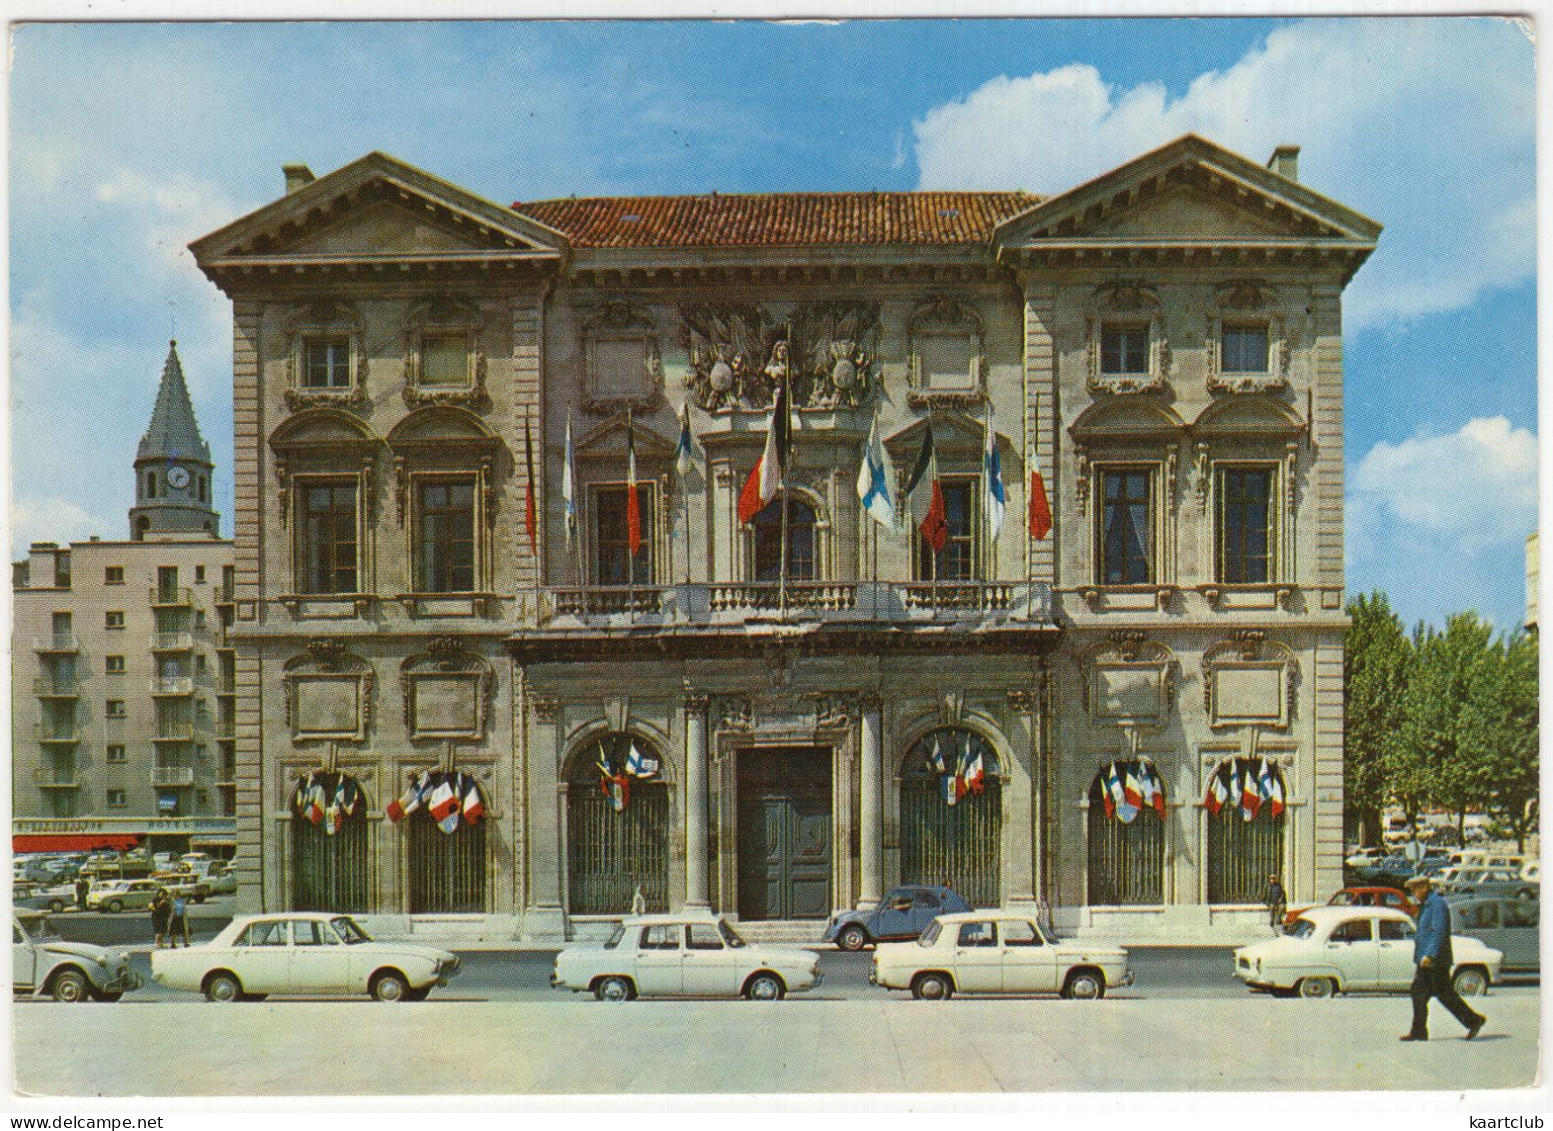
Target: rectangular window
62, 570
113, 618
114, 709
1245, 518
113, 575
62, 624
326, 363
199, 575
957, 560
115, 752
1126, 526
1244, 349
328, 537
614, 564
444, 359
445, 536
1124, 349
116, 799
115, 665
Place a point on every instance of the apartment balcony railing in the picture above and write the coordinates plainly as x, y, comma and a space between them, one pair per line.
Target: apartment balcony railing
225, 594
165, 685
172, 775
864, 603
174, 732
60, 775
171, 596
61, 732
225, 729
56, 688
57, 642
172, 642
226, 685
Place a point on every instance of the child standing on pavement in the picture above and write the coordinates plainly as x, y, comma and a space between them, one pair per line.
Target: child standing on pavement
180, 922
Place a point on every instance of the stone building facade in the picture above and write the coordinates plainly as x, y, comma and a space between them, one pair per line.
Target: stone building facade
121, 674
441, 403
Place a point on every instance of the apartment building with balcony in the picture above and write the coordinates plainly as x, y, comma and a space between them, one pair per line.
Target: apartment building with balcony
472, 551
122, 672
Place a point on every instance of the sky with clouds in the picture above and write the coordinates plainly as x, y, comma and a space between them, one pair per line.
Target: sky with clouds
130, 140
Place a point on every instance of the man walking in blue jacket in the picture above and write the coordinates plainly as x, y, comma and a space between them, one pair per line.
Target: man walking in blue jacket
1432, 953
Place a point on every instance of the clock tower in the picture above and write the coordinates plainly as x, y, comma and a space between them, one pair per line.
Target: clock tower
172, 467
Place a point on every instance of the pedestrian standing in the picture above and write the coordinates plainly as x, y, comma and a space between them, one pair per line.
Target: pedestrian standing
1277, 902
161, 914
179, 924
1434, 958
82, 887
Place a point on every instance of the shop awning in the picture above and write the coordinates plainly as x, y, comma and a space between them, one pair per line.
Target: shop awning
72, 842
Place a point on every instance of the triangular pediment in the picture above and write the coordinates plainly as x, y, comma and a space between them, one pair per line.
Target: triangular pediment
609, 440
952, 432
1189, 190
377, 208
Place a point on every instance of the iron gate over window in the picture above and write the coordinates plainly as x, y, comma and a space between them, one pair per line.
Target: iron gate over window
1126, 858
329, 873
610, 852
1242, 853
447, 870
960, 843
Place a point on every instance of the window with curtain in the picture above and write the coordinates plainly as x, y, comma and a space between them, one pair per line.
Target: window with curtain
445, 536
1126, 530
328, 537
801, 520
614, 564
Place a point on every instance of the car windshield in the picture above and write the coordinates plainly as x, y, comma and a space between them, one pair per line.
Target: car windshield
930, 936
348, 931
1302, 929
615, 936
39, 928
730, 936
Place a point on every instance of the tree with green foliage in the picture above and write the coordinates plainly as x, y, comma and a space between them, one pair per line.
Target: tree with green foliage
1378, 660
1500, 725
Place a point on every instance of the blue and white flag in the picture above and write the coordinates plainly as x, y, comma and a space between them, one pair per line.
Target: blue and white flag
568, 488
684, 452
640, 765
994, 497
935, 759
873, 479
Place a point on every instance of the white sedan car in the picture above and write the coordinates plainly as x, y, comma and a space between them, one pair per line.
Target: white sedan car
1332, 950
683, 956
996, 952
302, 952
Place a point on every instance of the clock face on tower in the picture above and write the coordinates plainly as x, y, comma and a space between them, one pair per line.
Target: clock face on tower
178, 477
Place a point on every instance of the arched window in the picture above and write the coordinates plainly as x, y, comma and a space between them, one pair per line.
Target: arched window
951, 824
329, 843
802, 561
1245, 814
1127, 834
150, 484
617, 827
447, 870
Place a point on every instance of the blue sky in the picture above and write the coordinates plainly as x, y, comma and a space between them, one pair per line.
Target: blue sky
130, 140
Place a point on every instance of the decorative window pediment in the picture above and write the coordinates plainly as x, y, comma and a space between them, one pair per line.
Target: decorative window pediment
444, 354
328, 693
1249, 680
1128, 352
447, 692
444, 438
947, 358
324, 440
1128, 681
622, 363
326, 359
1248, 340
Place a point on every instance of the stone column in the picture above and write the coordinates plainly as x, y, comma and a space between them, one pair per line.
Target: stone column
544, 916
1023, 804
871, 834
696, 896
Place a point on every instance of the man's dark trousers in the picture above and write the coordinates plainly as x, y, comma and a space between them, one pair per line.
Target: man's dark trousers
1435, 981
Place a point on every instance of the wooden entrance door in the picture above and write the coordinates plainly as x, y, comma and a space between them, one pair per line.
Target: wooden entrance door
784, 833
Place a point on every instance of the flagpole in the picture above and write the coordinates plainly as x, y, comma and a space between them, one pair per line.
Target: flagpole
782, 491
630, 503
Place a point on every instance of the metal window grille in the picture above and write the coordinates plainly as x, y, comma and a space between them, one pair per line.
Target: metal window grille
329, 873
1241, 853
1126, 858
961, 843
447, 871
608, 853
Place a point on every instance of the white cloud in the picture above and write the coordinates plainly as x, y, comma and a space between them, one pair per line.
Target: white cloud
1427, 125
54, 520
1473, 487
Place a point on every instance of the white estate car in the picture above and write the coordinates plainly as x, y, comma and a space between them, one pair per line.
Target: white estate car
996, 952
683, 956
302, 952
1344, 949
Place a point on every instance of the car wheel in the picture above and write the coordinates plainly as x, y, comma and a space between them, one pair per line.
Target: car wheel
115, 905
413, 994
1317, 987
1084, 985
71, 986
614, 989
389, 985
56, 905
932, 987
1470, 981
765, 987
852, 937
223, 986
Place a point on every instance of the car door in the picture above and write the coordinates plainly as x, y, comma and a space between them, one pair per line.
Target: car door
24, 959
261, 957
319, 963
1029, 965
1519, 934
1394, 967
709, 967
894, 917
1352, 948
925, 907
659, 958
978, 961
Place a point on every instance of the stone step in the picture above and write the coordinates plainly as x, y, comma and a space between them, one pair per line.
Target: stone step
794, 932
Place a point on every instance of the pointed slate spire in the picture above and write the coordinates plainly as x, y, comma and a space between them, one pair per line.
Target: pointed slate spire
174, 432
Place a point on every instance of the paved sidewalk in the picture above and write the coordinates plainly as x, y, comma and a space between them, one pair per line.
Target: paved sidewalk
576, 1046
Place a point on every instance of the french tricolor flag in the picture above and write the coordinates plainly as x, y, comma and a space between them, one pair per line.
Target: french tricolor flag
443, 804
1250, 795
402, 807
1218, 792
473, 801
766, 476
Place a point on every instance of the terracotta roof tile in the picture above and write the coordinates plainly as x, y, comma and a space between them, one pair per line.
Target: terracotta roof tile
779, 219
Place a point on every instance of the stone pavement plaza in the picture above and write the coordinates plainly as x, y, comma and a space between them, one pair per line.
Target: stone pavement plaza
577, 1046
